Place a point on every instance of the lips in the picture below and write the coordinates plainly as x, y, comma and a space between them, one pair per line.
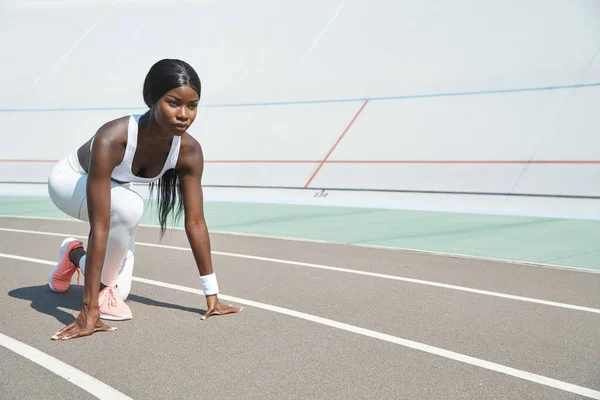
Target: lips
180, 127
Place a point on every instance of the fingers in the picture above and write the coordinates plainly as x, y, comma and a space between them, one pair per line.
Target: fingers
66, 331
104, 328
76, 333
74, 336
208, 313
221, 309
83, 326
231, 310
70, 334
63, 332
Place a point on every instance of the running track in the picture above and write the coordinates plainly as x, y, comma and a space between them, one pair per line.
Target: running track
322, 321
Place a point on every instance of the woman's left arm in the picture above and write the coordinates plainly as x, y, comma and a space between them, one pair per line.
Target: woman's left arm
191, 166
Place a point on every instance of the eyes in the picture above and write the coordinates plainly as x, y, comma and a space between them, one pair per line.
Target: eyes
177, 103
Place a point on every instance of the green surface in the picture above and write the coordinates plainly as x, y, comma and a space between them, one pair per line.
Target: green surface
564, 242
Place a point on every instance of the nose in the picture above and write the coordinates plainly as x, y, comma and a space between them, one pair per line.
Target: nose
182, 114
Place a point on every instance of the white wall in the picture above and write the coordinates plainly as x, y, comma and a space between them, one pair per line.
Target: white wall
446, 81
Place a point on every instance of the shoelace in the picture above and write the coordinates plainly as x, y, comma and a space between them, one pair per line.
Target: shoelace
112, 296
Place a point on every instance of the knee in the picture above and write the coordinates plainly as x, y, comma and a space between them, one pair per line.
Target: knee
127, 208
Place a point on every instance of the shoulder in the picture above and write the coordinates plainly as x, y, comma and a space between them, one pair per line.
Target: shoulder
191, 157
109, 146
113, 132
190, 148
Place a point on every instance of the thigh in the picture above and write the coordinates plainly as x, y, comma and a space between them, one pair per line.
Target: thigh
66, 188
126, 206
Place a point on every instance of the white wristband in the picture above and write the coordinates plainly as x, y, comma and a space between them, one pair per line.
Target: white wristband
209, 284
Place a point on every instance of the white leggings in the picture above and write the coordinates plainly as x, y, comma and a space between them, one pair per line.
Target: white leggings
67, 189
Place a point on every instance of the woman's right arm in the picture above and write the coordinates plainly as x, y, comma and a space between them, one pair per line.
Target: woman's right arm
108, 151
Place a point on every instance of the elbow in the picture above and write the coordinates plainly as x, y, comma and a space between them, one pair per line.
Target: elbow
195, 226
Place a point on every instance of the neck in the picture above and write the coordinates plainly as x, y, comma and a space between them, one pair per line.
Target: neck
152, 132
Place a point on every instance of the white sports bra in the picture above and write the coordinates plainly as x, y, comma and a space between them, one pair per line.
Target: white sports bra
122, 172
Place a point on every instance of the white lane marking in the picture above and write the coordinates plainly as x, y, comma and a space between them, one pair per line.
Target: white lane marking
477, 362
78, 378
350, 271
359, 245
41, 218
407, 249
540, 379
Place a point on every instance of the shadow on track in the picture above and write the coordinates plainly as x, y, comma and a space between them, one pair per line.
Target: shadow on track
45, 301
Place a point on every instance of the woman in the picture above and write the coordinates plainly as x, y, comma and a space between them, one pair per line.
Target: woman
94, 183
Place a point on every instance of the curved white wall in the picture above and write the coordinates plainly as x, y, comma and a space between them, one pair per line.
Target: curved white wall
447, 84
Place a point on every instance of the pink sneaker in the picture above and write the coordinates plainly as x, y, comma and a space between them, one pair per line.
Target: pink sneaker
60, 277
111, 305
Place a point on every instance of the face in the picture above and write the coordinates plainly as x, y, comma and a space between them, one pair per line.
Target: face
176, 110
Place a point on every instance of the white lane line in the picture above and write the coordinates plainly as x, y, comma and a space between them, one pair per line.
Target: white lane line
477, 362
359, 245
350, 271
86, 382
41, 218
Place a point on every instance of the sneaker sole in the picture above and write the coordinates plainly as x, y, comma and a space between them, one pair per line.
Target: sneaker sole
113, 318
63, 247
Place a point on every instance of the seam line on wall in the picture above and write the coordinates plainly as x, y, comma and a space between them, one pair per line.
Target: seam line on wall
336, 144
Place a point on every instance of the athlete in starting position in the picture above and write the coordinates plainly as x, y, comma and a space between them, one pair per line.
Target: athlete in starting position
94, 183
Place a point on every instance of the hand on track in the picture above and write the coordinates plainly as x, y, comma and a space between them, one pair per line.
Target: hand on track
87, 322
215, 307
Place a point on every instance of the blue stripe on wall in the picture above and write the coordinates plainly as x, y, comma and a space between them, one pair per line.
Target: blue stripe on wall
285, 103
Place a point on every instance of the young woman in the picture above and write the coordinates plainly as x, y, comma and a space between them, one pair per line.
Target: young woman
94, 183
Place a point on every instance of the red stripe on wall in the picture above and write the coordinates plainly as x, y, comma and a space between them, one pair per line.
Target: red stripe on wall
465, 161
262, 161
